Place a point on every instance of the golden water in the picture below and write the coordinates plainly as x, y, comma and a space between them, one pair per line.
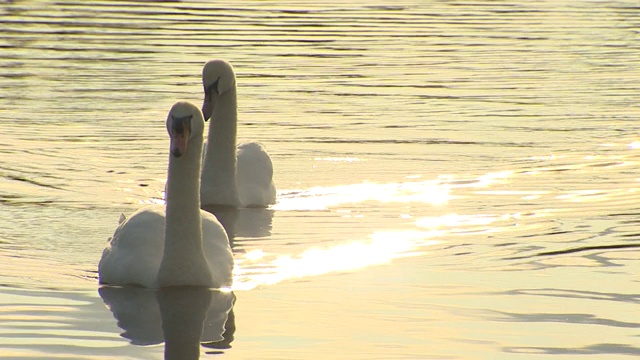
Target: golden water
456, 179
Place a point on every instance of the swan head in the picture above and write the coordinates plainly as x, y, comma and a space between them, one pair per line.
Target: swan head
184, 122
217, 78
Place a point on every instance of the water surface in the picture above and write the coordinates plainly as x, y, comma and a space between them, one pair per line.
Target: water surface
456, 179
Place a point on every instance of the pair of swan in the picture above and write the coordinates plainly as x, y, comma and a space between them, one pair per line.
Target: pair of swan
180, 244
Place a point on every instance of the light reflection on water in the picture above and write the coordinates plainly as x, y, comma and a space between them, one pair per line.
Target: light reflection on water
381, 248
324, 198
456, 179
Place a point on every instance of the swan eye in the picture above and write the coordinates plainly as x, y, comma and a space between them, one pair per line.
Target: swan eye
180, 124
208, 90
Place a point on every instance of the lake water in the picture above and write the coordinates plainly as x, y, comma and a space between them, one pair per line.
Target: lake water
456, 179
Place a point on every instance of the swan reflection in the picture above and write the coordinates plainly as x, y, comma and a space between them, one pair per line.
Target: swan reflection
184, 318
243, 222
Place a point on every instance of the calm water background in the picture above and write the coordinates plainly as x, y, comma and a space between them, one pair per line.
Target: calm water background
457, 179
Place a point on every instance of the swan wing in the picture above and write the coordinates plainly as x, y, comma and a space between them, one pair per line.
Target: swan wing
133, 255
217, 250
255, 175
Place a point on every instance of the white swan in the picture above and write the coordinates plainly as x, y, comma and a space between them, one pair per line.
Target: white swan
180, 244
244, 179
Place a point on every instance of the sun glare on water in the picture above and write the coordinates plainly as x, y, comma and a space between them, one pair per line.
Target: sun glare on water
258, 267
322, 198
380, 248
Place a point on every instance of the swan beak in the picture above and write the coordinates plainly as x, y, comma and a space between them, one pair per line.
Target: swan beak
207, 107
179, 143
208, 104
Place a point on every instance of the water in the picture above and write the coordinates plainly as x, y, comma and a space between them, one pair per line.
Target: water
456, 179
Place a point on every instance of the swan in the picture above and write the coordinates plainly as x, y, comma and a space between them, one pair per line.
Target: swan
241, 177
176, 245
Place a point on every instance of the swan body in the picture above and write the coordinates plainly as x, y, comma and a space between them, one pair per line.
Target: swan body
255, 175
177, 244
231, 176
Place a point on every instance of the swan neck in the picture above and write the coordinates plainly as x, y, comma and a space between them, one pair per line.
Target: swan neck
219, 169
183, 261
183, 185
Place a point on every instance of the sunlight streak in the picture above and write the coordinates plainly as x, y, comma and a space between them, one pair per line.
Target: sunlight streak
492, 178
381, 248
322, 198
